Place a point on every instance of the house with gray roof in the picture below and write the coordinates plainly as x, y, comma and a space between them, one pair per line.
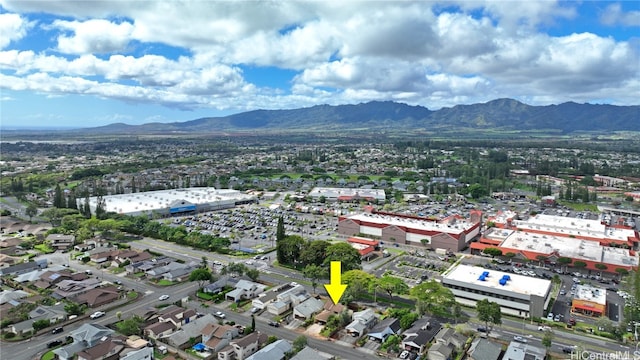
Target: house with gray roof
362, 321
274, 351
86, 336
386, 327
245, 290
522, 351
483, 349
308, 353
243, 347
10, 295
449, 336
306, 309
439, 351
53, 314
70, 288
25, 267
145, 353
181, 338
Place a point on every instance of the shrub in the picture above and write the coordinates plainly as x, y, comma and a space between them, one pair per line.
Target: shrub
9, 335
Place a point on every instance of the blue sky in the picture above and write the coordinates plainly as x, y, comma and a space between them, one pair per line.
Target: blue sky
91, 63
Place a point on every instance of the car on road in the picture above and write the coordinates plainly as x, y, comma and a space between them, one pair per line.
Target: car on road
118, 282
163, 297
57, 330
254, 310
568, 349
219, 315
97, 314
482, 329
54, 343
274, 324
543, 328
519, 339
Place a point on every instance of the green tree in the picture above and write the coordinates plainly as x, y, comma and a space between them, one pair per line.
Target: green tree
288, 250
601, 267
492, 251
344, 252
252, 274
58, 199
280, 234
456, 311
31, 211
314, 273
299, 343
41, 324
564, 261
489, 313
238, 269
357, 282
579, 264
433, 298
74, 309
314, 252
477, 191
131, 326
392, 285
202, 276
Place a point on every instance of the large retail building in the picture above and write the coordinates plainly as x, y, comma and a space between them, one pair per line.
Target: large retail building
517, 295
171, 202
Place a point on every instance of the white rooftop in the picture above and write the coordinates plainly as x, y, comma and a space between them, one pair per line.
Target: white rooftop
563, 246
518, 284
591, 293
161, 199
574, 226
333, 192
453, 227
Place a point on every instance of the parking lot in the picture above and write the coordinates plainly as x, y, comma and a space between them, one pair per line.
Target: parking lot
414, 269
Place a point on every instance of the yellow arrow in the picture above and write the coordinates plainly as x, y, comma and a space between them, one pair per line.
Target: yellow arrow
335, 288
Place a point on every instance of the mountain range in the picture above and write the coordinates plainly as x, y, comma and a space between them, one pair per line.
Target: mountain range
496, 115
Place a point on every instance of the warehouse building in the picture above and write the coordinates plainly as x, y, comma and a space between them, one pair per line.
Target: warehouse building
171, 202
452, 233
348, 194
517, 295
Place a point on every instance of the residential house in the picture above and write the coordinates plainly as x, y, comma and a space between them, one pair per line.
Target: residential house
306, 309
98, 296
53, 314
308, 353
108, 349
218, 286
448, 336
8, 260
244, 347
10, 242
288, 299
158, 272
215, 336
180, 274
103, 254
193, 330
61, 241
50, 278
70, 288
483, 349
12, 295
177, 316
362, 322
386, 327
274, 351
329, 309
521, 351
420, 334
145, 353
86, 336
439, 351
159, 329
245, 290
266, 298
25, 267
130, 257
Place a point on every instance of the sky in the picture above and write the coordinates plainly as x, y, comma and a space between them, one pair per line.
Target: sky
90, 63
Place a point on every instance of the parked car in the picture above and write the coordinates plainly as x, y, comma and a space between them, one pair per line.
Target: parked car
54, 343
57, 330
404, 354
97, 314
219, 315
163, 297
254, 310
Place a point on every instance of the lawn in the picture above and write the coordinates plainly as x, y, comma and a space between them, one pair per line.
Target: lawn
44, 248
49, 355
165, 282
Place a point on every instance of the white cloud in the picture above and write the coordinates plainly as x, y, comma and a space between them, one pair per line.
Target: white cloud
613, 15
93, 36
12, 28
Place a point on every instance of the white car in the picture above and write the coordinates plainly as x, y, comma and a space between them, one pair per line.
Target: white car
97, 314
519, 339
163, 297
219, 314
404, 354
